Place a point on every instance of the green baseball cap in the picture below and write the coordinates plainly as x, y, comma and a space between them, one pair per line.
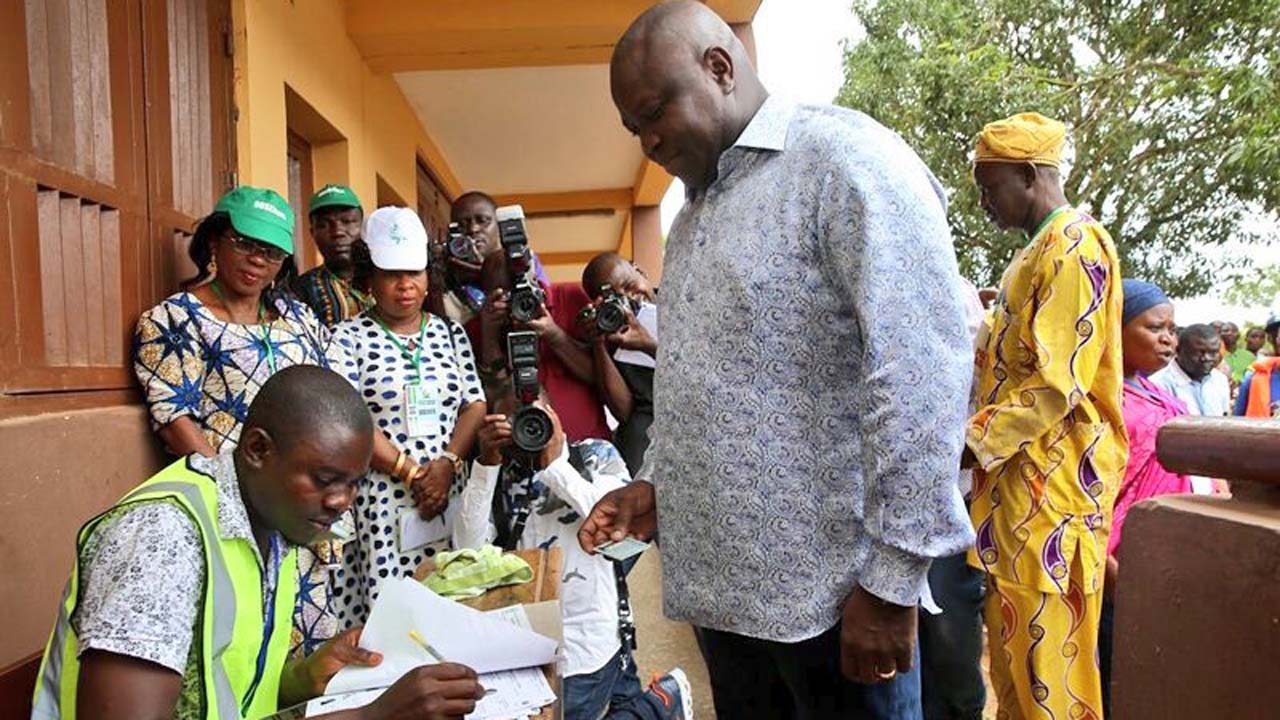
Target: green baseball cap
260, 214
332, 195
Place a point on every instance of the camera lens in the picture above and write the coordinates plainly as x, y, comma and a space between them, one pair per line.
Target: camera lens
610, 318
525, 306
531, 429
462, 248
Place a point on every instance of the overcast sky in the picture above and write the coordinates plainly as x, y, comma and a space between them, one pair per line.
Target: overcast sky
799, 49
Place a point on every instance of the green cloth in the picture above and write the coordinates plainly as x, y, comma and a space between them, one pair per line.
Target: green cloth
469, 572
332, 195
259, 214
1239, 362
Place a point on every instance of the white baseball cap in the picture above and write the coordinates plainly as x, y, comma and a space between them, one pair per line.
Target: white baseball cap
396, 239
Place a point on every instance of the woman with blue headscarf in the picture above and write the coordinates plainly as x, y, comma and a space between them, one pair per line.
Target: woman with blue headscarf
1148, 341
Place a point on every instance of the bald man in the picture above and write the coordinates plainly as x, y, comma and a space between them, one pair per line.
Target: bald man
164, 612
811, 388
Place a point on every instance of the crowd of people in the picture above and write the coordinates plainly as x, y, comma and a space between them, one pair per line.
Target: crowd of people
849, 457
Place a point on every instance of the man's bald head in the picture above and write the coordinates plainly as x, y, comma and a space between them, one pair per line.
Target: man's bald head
681, 26
305, 445
305, 401
684, 84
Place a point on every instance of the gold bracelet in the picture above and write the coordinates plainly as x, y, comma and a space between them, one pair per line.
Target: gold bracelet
410, 469
400, 460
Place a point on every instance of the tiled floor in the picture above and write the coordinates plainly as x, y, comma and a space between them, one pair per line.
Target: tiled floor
664, 644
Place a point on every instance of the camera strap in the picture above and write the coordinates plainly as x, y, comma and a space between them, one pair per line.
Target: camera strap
510, 521
626, 619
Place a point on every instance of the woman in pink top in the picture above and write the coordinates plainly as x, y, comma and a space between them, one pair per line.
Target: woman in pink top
1149, 340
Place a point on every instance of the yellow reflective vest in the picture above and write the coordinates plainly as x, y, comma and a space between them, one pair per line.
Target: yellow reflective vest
237, 683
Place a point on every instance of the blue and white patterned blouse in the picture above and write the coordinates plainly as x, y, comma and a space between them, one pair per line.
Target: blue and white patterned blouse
363, 353
812, 380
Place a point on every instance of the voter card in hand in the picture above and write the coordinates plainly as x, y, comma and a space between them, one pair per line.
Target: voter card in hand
624, 549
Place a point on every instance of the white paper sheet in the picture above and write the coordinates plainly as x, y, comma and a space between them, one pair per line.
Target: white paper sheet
459, 633
348, 701
513, 693
512, 615
416, 532
648, 317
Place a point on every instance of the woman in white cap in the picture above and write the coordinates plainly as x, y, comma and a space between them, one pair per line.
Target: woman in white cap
417, 373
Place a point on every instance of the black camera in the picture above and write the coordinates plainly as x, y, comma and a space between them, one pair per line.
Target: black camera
526, 295
526, 300
462, 246
611, 315
531, 427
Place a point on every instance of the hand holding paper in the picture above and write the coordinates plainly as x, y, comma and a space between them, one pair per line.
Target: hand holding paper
458, 633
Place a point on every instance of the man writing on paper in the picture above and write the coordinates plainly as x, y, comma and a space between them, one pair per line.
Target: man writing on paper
164, 615
806, 429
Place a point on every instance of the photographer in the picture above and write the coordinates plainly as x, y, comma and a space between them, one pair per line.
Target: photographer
622, 325
541, 498
565, 364
473, 236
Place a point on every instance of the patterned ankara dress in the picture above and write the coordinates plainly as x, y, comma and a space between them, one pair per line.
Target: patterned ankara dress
192, 364
364, 353
1051, 446
330, 297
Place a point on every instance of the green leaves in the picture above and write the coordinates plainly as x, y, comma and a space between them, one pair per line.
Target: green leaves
1173, 109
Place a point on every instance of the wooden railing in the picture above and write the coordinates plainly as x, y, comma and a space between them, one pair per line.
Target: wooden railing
1197, 627
1236, 449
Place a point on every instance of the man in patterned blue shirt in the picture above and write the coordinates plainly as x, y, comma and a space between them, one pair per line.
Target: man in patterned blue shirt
811, 387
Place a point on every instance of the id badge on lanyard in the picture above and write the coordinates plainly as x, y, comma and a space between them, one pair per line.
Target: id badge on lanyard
423, 406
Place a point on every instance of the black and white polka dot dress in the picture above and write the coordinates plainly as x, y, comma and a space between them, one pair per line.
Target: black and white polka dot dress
362, 351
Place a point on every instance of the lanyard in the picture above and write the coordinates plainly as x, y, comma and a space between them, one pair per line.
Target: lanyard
272, 577
416, 356
1049, 218
262, 323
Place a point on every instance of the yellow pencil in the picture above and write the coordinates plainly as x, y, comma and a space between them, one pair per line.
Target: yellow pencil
422, 642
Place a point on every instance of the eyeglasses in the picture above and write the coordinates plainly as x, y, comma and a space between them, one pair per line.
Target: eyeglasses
246, 246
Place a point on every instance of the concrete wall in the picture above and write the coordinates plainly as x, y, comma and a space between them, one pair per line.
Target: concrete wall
304, 46
59, 470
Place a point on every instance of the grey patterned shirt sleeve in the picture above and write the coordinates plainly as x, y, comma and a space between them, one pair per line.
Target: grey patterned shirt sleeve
141, 577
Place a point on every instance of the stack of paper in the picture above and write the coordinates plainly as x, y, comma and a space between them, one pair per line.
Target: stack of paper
513, 694
499, 646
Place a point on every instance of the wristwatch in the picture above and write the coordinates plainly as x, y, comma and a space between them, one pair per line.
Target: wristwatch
457, 462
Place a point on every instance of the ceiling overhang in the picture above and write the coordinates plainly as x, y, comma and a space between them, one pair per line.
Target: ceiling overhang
412, 35
514, 97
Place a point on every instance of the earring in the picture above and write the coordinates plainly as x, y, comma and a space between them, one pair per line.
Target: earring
212, 267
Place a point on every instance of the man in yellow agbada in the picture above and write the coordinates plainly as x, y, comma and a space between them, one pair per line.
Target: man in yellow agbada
1047, 441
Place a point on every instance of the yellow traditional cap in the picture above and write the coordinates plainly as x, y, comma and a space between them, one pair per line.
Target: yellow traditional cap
1025, 137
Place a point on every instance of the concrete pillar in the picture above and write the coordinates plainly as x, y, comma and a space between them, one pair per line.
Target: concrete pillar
1197, 627
646, 241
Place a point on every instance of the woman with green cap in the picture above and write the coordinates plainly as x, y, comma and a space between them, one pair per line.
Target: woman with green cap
203, 353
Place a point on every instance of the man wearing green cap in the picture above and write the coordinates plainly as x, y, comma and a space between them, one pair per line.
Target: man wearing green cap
330, 290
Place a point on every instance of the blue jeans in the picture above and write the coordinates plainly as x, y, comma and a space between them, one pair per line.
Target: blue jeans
752, 678
951, 643
588, 696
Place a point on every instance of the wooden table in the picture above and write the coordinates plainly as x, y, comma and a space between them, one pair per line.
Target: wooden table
548, 566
